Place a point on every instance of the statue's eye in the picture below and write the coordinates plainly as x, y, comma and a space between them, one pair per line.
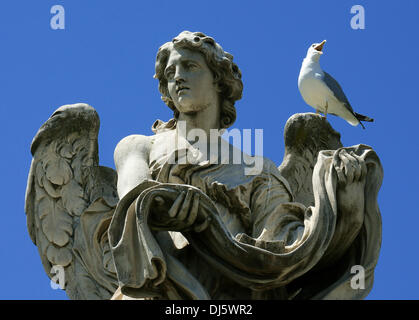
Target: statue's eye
191, 66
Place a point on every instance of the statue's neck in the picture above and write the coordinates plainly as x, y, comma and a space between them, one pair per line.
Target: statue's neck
205, 120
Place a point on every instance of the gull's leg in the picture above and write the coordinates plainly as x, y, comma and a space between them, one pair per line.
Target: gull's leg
325, 112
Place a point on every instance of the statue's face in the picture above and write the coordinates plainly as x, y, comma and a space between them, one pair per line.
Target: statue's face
190, 81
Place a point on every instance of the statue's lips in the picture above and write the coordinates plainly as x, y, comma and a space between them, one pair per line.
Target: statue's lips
182, 89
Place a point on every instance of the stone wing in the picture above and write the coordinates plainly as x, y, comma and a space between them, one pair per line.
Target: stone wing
305, 135
69, 203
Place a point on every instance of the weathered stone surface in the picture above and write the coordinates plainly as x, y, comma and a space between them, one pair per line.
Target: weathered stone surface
212, 227
70, 200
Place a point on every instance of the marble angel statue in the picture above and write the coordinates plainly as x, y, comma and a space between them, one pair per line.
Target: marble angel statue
205, 228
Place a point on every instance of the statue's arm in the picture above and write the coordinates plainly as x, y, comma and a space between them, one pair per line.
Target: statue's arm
131, 162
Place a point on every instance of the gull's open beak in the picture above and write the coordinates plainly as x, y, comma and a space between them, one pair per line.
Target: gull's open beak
320, 46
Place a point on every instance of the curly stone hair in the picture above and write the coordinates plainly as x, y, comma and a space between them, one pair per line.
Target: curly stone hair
226, 73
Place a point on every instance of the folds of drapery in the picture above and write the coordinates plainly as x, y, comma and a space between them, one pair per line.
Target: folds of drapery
285, 243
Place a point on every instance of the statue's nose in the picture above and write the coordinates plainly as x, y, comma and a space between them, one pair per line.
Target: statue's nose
179, 75
179, 80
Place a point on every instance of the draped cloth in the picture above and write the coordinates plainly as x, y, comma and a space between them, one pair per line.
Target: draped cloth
259, 243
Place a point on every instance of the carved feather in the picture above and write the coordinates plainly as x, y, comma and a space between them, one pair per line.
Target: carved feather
62, 184
305, 135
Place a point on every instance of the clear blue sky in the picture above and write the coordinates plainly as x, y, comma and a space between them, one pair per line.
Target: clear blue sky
105, 57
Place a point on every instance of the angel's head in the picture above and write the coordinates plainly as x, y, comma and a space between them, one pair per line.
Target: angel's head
194, 67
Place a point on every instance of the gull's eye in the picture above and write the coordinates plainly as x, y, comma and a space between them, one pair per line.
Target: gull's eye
313, 45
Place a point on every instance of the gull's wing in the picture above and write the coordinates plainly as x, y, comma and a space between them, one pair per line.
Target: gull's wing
305, 135
70, 201
337, 90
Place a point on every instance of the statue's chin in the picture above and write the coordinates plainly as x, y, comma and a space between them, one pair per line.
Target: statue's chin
188, 107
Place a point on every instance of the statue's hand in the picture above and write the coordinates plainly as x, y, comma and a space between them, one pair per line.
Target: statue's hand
351, 171
182, 214
349, 167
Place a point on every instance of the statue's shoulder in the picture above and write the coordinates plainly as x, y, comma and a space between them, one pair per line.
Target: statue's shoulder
133, 144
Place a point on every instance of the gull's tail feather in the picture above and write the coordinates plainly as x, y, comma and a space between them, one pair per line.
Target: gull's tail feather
361, 117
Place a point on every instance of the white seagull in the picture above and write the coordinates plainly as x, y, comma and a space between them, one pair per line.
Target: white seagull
322, 92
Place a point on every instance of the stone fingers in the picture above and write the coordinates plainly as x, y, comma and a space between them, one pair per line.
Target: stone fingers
337, 164
361, 170
176, 205
364, 169
358, 170
350, 166
185, 210
194, 210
